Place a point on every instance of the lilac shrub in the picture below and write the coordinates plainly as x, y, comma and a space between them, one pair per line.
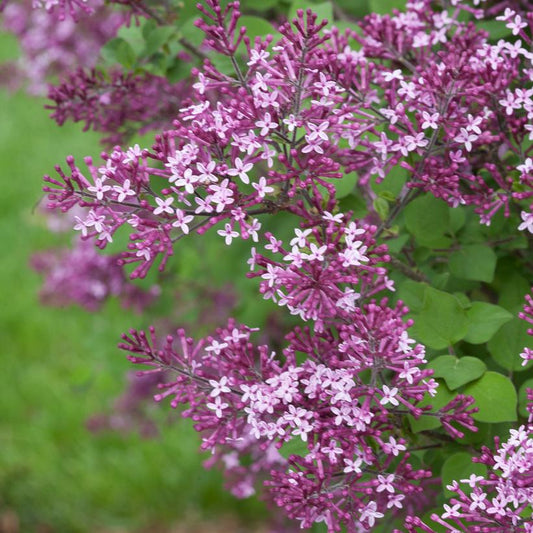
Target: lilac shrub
373, 173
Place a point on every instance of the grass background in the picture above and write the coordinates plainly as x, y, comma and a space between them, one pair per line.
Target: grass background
60, 366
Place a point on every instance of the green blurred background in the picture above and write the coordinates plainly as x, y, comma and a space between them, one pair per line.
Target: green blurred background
61, 366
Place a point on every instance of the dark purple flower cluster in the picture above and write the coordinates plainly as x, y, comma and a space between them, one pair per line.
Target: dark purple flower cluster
113, 102
52, 45
82, 276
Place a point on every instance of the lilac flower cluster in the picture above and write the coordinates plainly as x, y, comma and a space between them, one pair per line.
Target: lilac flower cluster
62, 9
53, 45
322, 418
82, 276
501, 501
461, 100
343, 404
296, 119
111, 103
315, 279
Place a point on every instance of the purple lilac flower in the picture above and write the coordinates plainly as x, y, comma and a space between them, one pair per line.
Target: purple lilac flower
244, 397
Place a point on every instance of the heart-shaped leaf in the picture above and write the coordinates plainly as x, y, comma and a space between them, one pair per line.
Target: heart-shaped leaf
428, 219
442, 320
459, 467
508, 343
475, 262
495, 397
457, 371
484, 320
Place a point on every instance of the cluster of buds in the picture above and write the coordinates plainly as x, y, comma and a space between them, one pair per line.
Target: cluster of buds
110, 103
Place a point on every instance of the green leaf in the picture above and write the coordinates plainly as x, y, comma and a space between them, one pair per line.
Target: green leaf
425, 422
460, 466
148, 27
222, 63
296, 446
457, 218
512, 291
259, 5
484, 320
474, 262
256, 26
177, 70
427, 218
412, 294
457, 371
386, 6
508, 343
463, 299
393, 182
381, 207
323, 10
357, 9
396, 244
188, 9
472, 231
190, 32
495, 397
497, 30
442, 320
354, 202
345, 185
439, 280
132, 34
387, 195
119, 51
156, 38
522, 397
